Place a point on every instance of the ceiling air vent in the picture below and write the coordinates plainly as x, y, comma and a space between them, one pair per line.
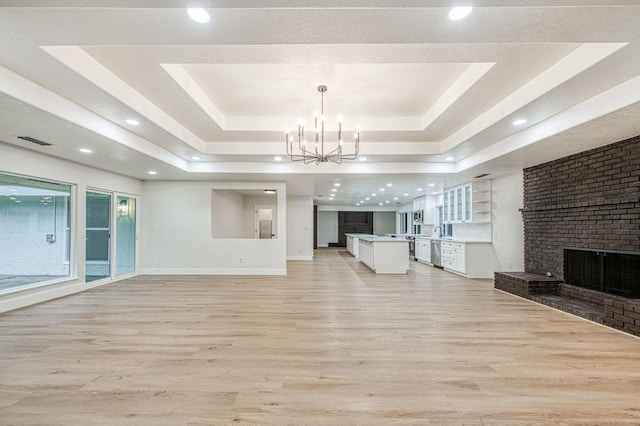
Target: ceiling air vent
34, 140
481, 175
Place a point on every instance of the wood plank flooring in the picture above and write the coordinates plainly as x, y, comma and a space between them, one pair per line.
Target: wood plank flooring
329, 344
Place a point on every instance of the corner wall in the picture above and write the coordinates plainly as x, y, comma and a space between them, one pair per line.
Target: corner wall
300, 228
507, 229
589, 200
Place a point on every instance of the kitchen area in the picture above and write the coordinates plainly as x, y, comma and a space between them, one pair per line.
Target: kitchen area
451, 231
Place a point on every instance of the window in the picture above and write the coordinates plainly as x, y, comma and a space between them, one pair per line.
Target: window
35, 231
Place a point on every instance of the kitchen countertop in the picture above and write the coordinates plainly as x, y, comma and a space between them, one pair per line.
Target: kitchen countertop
384, 239
455, 240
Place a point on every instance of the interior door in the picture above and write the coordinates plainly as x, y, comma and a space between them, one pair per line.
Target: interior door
264, 223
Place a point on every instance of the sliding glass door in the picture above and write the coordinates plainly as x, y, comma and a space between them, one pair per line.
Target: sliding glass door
125, 235
98, 236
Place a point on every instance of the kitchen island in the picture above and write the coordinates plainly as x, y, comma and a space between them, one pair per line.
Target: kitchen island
352, 242
384, 255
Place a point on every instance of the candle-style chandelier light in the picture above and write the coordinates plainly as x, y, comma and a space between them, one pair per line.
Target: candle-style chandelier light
303, 151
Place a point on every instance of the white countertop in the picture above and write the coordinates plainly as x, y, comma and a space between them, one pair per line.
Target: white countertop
455, 240
376, 239
360, 235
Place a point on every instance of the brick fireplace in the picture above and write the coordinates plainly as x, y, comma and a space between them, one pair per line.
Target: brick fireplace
588, 200
578, 208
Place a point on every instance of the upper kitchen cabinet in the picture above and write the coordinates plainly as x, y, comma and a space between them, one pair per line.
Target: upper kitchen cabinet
424, 209
468, 203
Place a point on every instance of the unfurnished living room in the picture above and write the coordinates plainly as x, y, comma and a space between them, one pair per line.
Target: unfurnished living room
294, 212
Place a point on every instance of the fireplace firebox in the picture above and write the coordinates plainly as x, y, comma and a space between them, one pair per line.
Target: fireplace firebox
608, 271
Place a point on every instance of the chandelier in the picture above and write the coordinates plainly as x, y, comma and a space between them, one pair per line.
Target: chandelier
316, 153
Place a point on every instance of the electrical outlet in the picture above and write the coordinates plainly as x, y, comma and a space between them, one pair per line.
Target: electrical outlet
51, 238
240, 260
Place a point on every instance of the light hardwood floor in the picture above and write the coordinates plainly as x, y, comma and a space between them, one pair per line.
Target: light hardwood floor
331, 343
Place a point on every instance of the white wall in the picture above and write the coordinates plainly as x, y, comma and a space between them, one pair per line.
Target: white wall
300, 228
508, 229
31, 164
226, 207
327, 228
384, 223
176, 236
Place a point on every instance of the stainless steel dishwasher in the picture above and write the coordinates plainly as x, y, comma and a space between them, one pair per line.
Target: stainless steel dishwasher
435, 253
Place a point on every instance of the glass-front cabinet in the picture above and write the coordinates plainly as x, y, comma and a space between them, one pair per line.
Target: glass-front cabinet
468, 203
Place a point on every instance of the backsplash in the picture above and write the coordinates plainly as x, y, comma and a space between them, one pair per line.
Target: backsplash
472, 231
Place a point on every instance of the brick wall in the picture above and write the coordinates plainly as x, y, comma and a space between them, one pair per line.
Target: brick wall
623, 315
590, 200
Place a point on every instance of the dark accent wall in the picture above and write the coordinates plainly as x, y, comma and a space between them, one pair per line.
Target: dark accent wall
353, 223
588, 200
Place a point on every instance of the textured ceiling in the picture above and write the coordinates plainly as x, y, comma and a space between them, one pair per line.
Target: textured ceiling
435, 99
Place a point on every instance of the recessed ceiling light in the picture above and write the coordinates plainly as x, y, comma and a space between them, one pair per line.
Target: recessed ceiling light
387, 201
373, 195
367, 198
381, 189
198, 14
458, 13
435, 193
419, 189
132, 121
86, 150
395, 198
152, 172
334, 190
362, 159
195, 158
405, 195
449, 158
432, 184
357, 204
277, 158
389, 184
336, 184
519, 121
380, 204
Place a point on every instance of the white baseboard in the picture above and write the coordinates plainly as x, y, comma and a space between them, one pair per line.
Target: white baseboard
214, 271
299, 257
323, 245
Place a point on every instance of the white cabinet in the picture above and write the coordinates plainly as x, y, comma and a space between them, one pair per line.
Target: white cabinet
471, 260
453, 256
424, 209
385, 255
468, 203
423, 250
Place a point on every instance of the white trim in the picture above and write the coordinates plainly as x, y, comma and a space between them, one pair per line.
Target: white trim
18, 300
299, 257
214, 271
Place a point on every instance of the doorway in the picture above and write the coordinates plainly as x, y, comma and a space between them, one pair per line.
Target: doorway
265, 223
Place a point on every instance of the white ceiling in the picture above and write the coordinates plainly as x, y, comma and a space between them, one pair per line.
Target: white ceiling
420, 87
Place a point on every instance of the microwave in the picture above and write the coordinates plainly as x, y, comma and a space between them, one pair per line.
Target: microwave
417, 216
